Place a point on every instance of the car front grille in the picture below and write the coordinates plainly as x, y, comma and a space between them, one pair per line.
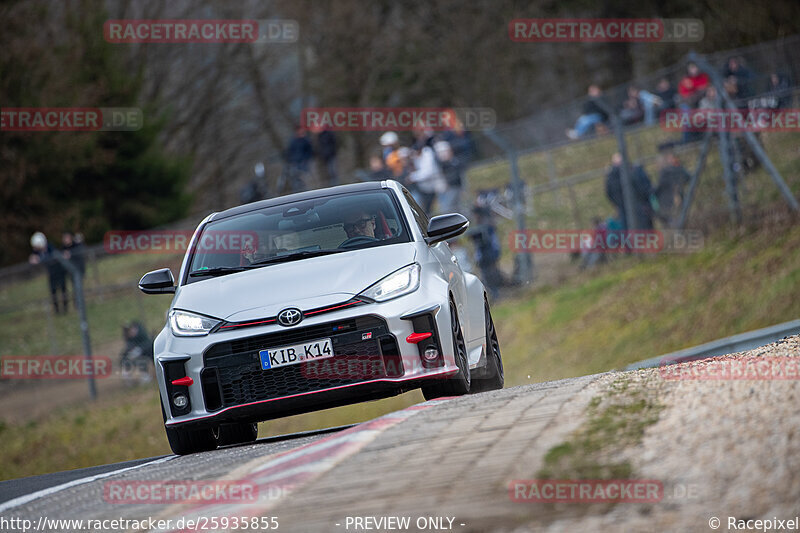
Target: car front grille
363, 350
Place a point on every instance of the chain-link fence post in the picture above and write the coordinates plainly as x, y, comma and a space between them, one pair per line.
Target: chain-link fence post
77, 284
632, 222
523, 263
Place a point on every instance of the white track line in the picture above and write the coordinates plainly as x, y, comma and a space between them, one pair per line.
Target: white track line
21, 500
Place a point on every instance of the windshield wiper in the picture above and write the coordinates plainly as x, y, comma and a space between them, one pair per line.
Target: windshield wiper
216, 271
292, 257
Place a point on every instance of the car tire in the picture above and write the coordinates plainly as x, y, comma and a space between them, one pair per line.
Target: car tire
238, 433
492, 377
460, 383
186, 441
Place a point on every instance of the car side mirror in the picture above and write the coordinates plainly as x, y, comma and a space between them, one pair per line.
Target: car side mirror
158, 282
446, 227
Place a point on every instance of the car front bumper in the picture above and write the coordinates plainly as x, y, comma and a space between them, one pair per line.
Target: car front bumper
372, 359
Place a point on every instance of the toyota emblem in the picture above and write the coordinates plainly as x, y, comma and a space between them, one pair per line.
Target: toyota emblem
290, 317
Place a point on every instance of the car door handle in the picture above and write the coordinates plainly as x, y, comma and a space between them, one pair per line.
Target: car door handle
454, 259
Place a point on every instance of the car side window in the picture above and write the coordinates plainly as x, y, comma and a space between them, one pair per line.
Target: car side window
419, 214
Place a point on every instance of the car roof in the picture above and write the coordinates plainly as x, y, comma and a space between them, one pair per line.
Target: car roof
300, 196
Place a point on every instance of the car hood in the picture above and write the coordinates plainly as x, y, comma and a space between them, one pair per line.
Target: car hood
306, 283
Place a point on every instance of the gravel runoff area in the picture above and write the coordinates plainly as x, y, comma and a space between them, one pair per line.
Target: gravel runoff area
726, 447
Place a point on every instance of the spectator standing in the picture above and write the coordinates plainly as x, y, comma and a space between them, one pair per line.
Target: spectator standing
614, 190
389, 143
487, 250
326, 150
426, 178
299, 154
73, 250
643, 197
461, 142
45, 254
452, 169
672, 181
642, 190
592, 115
423, 136
395, 156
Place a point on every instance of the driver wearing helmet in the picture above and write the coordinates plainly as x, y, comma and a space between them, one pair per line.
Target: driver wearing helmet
360, 224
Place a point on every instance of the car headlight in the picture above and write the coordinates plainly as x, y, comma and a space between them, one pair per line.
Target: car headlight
186, 324
398, 283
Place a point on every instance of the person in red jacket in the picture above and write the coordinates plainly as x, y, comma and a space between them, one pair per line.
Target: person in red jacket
693, 86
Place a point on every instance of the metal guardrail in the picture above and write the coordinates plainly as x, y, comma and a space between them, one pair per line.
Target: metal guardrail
732, 344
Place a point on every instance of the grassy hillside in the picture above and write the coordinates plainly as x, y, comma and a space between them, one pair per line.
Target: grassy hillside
639, 308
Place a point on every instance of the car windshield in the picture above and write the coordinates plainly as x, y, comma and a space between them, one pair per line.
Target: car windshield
297, 230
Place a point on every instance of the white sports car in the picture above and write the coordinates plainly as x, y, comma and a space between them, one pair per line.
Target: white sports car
315, 300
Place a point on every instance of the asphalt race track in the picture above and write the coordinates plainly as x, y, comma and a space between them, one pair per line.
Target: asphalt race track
719, 449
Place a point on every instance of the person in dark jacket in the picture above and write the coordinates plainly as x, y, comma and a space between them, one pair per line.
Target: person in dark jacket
592, 114
73, 250
137, 355
487, 249
45, 254
779, 88
326, 150
461, 142
642, 190
299, 154
745, 78
666, 93
672, 181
